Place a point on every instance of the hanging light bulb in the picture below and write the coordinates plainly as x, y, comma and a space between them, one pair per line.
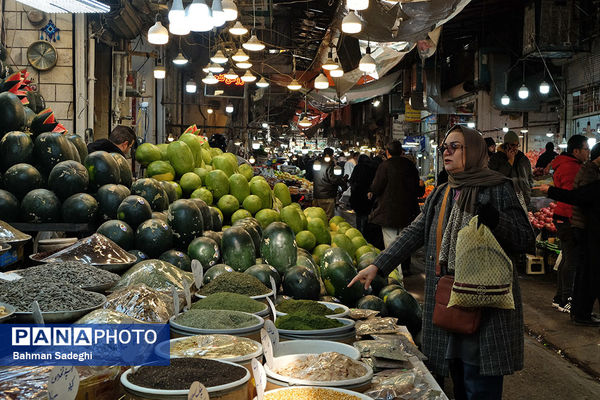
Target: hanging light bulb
210, 79
215, 68
471, 125
240, 56
180, 59
505, 100
305, 122
158, 34
244, 64
256, 145
238, 29
326, 159
251, 160
231, 74
544, 88
198, 16
523, 92
505, 128
329, 64
248, 77
351, 23
357, 4
338, 72
549, 134
265, 125
219, 57
262, 83
229, 108
321, 82
210, 110
367, 63
253, 44
563, 144
206, 68
294, 85
177, 19
237, 142
218, 15
317, 165
190, 86
160, 72
230, 10
337, 170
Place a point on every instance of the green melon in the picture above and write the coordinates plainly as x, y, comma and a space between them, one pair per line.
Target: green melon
262, 189
21, 179
402, 305
293, 217
125, 174
246, 170
240, 214
51, 148
181, 157
318, 228
102, 169
238, 187
185, 219
223, 163
370, 302
203, 194
160, 170
238, 249
336, 277
15, 148
190, 182
119, 232
39, 206
151, 190
134, 210
282, 192
306, 240
266, 217
218, 183
12, 113
252, 203
344, 242
109, 198
318, 252
163, 151
68, 178
263, 272
80, 208
278, 247
215, 271
9, 207
147, 153
192, 141
301, 283
153, 237
206, 250
178, 259
79, 145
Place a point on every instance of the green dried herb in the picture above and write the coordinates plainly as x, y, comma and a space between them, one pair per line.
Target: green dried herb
216, 319
235, 282
229, 301
309, 306
303, 321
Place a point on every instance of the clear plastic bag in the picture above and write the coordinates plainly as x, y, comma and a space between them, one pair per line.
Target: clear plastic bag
377, 325
404, 342
155, 274
105, 316
95, 249
358, 313
142, 303
329, 366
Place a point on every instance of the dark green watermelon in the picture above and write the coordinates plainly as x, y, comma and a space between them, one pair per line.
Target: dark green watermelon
21, 179
365, 260
80, 208
387, 290
254, 233
160, 215
205, 250
119, 232
308, 262
216, 236
178, 259
378, 283
217, 220
370, 302
79, 145
29, 116
109, 199
215, 271
334, 254
9, 207
139, 255
186, 221
49, 149
237, 249
40, 205
134, 210
15, 148
263, 272
73, 153
68, 178
12, 113
206, 214
169, 190
300, 282
102, 169
153, 237
124, 169
278, 246
402, 305
336, 277
36, 101
151, 190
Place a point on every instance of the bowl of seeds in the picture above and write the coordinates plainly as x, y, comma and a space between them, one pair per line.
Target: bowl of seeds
6, 311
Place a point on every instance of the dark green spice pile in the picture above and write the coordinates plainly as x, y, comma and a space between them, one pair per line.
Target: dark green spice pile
303, 321
216, 319
235, 282
309, 306
229, 301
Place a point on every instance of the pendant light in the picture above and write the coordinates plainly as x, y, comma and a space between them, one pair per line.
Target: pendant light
351, 23
199, 16
158, 34
329, 64
544, 87
367, 62
238, 29
230, 10
523, 92
177, 19
262, 83
251, 160
505, 100
253, 44
294, 85
321, 82
337, 170
240, 56
160, 72
505, 128
305, 122
549, 133
338, 72
231, 75
357, 4
244, 64
229, 108
190, 86
180, 59
210, 79
215, 68
218, 15
563, 144
317, 165
219, 58
255, 145
210, 110
248, 77
206, 68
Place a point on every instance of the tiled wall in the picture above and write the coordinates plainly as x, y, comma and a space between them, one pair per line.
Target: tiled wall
56, 85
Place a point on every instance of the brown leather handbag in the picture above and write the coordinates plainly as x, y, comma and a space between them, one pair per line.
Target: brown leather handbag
453, 319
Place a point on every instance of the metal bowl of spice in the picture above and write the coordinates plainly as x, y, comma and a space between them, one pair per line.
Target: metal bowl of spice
297, 323
6, 311
222, 379
237, 323
313, 393
331, 310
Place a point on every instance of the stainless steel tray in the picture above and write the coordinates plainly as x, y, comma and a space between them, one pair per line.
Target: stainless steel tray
59, 316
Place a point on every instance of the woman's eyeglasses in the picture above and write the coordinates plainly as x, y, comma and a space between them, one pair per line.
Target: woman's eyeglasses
451, 147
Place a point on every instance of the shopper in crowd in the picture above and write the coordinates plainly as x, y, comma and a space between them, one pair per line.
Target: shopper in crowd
348, 168
513, 163
360, 182
566, 166
491, 146
585, 221
121, 140
546, 157
326, 183
476, 362
395, 191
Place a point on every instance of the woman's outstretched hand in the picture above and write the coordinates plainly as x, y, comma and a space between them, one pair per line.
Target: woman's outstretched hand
365, 276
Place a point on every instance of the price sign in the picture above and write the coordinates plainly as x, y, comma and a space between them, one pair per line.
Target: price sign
198, 272
175, 300
198, 392
187, 294
267, 347
273, 287
38, 318
63, 383
272, 308
260, 378
273, 333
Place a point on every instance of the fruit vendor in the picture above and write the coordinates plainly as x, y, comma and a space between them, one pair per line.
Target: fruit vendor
121, 140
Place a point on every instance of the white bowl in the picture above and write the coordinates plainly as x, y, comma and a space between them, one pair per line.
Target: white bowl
331, 306
234, 331
315, 347
335, 390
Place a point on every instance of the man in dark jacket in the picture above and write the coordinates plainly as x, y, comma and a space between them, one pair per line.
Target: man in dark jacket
512, 163
395, 189
360, 182
120, 141
326, 183
547, 156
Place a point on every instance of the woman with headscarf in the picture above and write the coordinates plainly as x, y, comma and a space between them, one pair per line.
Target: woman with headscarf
476, 362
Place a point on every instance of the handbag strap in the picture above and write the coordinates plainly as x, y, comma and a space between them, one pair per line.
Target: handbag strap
438, 232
